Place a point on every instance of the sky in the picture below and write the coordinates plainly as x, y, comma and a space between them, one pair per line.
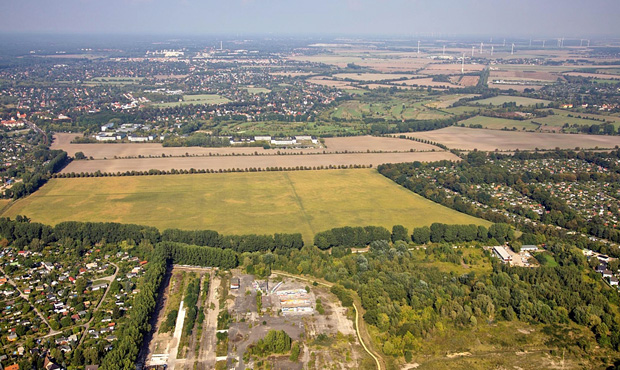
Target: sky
550, 18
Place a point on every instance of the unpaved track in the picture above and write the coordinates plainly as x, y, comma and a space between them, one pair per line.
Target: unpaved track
178, 329
208, 341
378, 360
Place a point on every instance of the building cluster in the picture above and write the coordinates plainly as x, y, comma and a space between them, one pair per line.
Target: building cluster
295, 301
609, 274
66, 299
282, 141
114, 132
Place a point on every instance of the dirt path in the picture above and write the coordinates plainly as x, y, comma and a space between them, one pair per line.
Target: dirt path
378, 361
178, 329
206, 355
107, 278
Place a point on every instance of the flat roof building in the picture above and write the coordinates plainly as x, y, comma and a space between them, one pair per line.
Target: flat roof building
502, 254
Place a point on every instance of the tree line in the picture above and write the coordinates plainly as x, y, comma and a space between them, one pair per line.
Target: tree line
151, 172
350, 236
21, 231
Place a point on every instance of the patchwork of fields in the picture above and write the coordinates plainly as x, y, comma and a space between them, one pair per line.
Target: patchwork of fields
239, 203
254, 161
336, 144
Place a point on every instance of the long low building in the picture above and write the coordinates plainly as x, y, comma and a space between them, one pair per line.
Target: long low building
502, 254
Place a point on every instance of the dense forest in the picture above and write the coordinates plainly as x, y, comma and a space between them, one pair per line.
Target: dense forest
20, 232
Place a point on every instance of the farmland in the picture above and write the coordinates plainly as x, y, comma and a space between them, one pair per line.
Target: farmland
332, 145
239, 203
245, 162
352, 143
490, 140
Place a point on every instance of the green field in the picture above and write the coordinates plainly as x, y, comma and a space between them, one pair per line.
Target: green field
195, 99
499, 100
390, 109
495, 123
460, 109
257, 90
584, 117
239, 203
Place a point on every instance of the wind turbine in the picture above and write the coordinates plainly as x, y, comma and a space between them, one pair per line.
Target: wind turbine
463, 65
418, 46
513, 49
530, 42
481, 44
588, 43
504, 43
543, 44
444, 50
472, 50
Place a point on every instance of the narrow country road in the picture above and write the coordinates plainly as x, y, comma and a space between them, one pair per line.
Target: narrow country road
379, 363
110, 279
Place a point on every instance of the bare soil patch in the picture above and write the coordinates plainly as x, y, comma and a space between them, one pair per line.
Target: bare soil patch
490, 140
329, 82
373, 143
525, 75
437, 69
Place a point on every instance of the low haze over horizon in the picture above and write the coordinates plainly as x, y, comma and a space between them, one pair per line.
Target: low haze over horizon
387, 17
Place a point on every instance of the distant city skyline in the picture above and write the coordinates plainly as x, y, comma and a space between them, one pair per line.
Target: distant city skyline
549, 18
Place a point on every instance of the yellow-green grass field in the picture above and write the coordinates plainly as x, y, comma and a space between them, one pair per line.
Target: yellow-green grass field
195, 99
239, 203
3, 203
257, 90
519, 100
584, 117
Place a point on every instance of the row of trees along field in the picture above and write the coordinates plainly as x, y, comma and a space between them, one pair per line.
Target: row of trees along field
347, 236
21, 231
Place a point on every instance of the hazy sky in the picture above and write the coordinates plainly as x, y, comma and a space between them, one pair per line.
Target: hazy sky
466, 17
